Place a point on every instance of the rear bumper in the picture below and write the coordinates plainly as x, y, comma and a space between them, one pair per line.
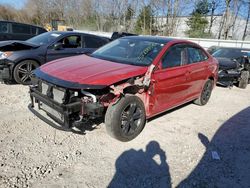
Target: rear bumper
60, 113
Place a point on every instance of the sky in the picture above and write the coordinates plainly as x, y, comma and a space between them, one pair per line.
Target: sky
15, 3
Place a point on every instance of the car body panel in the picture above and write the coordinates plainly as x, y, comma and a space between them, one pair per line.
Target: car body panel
159, 89
91, 71
10, 30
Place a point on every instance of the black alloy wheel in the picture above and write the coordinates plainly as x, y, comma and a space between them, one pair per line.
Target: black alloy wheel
24, 71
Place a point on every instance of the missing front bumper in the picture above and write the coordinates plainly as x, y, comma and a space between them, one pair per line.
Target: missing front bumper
64, 115
60, 113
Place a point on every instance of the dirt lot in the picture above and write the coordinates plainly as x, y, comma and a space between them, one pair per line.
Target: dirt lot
174, 149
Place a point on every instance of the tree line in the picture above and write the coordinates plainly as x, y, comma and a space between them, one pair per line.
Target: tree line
160, 17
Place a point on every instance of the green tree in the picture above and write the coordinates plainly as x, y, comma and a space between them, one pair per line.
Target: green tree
198, 23
145, 21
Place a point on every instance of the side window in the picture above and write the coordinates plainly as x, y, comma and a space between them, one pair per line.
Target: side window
73, 41
40, 30
174, 57
20, 28
92, 42
33, 30
196, 55
3, 27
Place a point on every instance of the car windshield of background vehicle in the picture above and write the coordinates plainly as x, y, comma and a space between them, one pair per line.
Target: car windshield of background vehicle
45, 38
228, 53
129, 51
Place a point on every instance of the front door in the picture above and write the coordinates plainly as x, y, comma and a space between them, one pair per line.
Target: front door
170, 85
70, 46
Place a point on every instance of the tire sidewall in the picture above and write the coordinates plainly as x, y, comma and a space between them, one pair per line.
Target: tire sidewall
204, 102
113, 118
15, 71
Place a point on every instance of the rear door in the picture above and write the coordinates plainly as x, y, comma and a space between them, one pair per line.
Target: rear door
170, 86
71, 45
197, 69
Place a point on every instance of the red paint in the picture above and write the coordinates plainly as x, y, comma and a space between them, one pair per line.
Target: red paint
169, 87
87, 70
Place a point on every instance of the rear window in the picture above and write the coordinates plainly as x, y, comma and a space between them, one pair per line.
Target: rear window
196, 55
3, 27
20, 28
41, 30
33, 30
92, 42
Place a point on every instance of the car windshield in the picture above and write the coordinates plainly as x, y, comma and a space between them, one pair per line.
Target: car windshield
45, 38
129, 51
230, 53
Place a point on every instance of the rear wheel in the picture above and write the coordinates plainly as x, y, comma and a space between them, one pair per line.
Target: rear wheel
24, 70
125, 119
244, 78
205, 94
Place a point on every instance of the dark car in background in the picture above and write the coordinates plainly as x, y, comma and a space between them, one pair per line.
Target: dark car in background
18, 31
18, 59
234, 66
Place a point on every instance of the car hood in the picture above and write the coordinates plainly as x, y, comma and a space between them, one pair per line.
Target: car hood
87, 72
226, 63
16, 45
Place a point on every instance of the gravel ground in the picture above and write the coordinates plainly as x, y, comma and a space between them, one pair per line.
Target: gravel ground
174, 150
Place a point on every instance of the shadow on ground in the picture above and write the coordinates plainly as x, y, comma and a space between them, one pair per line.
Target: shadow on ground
142, 169
232, 143
231, 168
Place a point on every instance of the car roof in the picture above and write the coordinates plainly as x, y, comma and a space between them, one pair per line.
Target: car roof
76, 32
157, 39
231, 48
7, 21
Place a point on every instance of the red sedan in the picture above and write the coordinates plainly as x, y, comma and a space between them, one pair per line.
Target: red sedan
128, 81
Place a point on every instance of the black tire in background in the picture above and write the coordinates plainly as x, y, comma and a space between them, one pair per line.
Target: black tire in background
23, 71
205, 94
126, 119
244, 79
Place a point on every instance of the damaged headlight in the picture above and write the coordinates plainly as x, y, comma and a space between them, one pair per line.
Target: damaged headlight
5, 55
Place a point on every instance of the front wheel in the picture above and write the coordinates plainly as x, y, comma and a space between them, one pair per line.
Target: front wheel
125, 119
205, 94
23, 71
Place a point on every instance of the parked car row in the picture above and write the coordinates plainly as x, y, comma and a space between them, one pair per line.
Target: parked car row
124, 81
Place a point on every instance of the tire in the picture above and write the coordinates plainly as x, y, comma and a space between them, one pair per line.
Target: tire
23, 71
205, 94
126, 119
244, 78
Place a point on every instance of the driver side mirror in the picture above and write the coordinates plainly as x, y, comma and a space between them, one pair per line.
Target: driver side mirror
58, 46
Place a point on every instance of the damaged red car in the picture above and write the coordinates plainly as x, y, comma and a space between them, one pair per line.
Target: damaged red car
125, 82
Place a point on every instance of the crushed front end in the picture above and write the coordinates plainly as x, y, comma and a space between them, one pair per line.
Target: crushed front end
67, 107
